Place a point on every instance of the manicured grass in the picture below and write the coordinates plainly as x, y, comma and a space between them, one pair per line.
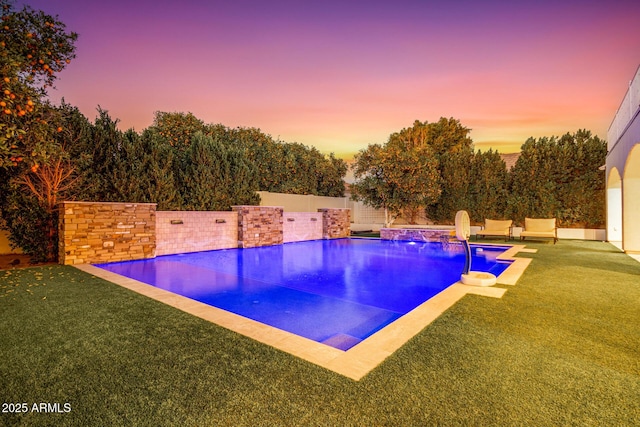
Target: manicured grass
562, 347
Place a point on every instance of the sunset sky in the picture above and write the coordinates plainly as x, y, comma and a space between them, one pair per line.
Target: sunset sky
339, 75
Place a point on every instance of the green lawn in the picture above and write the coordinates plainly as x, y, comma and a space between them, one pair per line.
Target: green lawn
562, 347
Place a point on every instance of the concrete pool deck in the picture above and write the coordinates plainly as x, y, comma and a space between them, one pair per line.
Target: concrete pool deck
359, 360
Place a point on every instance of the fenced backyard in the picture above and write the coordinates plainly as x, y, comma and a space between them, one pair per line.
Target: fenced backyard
560, 348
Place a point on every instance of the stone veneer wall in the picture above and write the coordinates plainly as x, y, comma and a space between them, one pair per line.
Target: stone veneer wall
106, 232
92, 232
259, 226
417, 234
335, 223
193, 231
299, 226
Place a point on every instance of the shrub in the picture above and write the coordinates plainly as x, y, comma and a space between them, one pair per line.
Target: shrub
32, 227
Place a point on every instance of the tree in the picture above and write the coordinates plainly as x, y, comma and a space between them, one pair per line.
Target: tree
399, 178
532, 192
443, 136
580, 182
144, 171
279, 167
238, 180
371, 185
34, 47
559, 177
290, 167
155, 180
40, 188
330, 176
215, 177
487, 186
29, 225
452, 149
298, 170
178, 128
265, 154
100, 156
455, 176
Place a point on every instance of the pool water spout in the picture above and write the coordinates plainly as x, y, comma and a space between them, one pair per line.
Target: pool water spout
468, 277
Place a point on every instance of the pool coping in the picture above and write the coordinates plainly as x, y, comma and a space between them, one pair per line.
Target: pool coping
359, 360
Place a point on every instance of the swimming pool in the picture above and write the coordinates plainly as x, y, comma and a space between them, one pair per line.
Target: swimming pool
336, 292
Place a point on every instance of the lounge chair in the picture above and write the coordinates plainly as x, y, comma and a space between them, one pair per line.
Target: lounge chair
495, 227
540, 227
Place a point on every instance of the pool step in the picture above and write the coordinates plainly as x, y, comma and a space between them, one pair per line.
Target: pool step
341, 341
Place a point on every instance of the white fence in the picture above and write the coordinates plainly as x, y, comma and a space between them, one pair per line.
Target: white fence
362, 216
301, 203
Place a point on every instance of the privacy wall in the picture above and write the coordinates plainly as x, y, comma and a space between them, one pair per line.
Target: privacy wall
194, 231
109, 232
259, 226
106, 232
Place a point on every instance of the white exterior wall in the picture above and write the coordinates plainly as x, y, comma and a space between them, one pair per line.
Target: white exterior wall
623, 171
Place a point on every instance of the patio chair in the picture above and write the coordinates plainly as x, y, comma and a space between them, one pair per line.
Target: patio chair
540, 227
496, 227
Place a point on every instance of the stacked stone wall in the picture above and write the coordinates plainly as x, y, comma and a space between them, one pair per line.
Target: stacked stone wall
259, 226
335, 223
417, 234
92, 232
106, 232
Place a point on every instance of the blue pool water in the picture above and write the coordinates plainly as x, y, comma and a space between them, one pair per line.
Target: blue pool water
336, 292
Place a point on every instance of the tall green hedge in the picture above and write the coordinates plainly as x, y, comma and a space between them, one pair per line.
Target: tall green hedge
560, 177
